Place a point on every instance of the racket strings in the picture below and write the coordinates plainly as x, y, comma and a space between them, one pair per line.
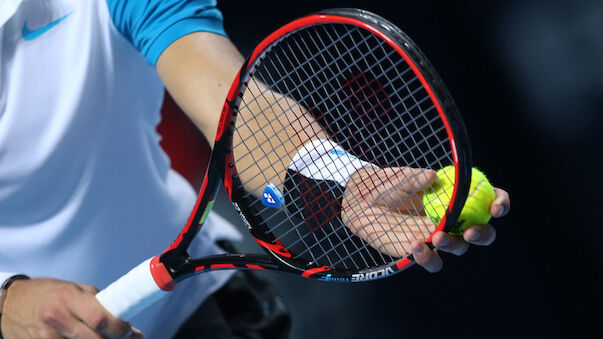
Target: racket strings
302, 238
352, 253
336, 104
283, 115
350, 85
414, 216
384, 234
274, 228
331, 245
276, 177
415, 145
316, 240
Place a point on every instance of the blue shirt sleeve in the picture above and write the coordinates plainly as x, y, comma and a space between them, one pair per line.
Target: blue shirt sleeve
152, 25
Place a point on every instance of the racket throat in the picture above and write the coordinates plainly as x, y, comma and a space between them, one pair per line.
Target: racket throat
180, 268
234, 261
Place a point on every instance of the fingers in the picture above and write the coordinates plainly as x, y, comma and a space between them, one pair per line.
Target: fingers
90, 312
426, 257
388, 232
431, 261
103, 322
410, 179
63, 324
418, 179
483, 235
501, 204
51, 308
449, 243
402, 187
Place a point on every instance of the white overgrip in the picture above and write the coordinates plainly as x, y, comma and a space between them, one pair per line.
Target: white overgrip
131, 293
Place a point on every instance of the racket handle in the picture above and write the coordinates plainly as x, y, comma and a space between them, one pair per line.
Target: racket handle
131, 293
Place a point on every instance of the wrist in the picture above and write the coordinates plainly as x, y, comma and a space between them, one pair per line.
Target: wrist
6, 285
326, 160
4, 288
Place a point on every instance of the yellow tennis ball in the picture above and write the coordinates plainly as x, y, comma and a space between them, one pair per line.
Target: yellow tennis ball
477, 207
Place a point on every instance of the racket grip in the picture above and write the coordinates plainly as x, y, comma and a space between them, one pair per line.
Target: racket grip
131, 293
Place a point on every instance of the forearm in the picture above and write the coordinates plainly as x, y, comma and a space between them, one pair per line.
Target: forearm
4, 277
198, 70
270, 129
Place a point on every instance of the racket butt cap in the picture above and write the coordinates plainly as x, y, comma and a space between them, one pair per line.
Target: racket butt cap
161, 275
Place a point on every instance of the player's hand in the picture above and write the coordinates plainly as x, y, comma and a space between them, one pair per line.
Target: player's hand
481, 235
391, 217
50, 308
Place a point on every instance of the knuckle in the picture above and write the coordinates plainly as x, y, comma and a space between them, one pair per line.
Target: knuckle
97, 320
49, 315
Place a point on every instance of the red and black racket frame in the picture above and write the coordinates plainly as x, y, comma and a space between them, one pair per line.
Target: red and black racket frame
174, 264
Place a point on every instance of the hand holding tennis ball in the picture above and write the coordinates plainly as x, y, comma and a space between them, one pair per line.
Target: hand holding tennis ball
477, 207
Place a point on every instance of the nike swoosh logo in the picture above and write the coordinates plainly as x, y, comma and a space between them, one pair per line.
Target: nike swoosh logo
34, 34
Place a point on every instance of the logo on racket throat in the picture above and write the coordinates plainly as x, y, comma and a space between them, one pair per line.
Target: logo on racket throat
272, 196
329, 277
373, 275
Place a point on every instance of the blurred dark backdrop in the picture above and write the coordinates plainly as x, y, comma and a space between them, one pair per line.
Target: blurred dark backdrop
528, 79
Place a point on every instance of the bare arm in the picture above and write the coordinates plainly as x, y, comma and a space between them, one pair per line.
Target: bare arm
198, 70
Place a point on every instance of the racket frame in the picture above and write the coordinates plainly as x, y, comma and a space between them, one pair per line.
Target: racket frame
175, 264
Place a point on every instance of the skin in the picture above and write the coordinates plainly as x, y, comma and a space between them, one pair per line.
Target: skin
51, 308
402, 194
197, 70
186, 61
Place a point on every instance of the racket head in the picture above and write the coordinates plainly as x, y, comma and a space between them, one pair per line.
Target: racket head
373, 92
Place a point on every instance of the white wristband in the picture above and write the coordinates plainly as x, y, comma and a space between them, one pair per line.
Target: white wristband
326, 160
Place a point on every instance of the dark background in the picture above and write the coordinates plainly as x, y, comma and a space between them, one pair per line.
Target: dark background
528, 79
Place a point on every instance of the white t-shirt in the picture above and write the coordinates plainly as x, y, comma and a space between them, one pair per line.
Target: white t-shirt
86, 193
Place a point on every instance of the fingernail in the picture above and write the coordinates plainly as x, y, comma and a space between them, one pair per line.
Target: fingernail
418, 248
474, 236
502, 211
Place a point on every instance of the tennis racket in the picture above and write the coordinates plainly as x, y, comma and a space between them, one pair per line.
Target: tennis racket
326, 141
